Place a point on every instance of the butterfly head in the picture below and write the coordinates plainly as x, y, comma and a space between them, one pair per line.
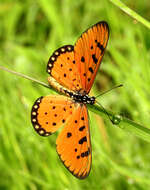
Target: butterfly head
92, 100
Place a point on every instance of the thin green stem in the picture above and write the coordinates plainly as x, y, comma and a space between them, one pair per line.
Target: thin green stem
124, 123
130, 12
120, 121
25, 76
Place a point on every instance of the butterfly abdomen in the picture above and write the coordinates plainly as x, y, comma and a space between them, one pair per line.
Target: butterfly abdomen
59, 87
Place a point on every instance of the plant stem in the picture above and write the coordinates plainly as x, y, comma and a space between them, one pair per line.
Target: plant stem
130, 12
25, 76
120, 121
125, 123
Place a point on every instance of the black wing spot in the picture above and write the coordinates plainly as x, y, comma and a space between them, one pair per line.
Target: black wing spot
61, 65
91, 47
82, 118
94, 58
54, 107
82, 59
55, 115
101, 47
65, 75
45, 113
78, 157
84, 74
82, 128
91, 70
63, 120
76, 121
82, 140
75, 149
69, 134
54, 124
74, 62
70, 69
85, 154
89, 79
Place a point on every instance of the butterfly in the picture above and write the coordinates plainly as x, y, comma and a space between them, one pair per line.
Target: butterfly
72, 70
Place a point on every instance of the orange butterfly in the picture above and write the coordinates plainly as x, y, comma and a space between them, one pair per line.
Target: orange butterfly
72, 72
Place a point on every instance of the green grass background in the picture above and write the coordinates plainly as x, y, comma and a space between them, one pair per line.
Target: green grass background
29, 33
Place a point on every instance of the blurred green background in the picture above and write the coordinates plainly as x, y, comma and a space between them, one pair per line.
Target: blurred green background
29, 33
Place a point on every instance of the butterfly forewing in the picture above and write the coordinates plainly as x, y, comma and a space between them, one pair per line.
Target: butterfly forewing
73, 143
89, 51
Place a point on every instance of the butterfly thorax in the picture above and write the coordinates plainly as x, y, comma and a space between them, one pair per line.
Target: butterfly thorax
78, 96
81, 98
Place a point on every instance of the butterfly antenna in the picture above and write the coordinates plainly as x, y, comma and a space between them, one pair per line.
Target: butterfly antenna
118, 86
105, 111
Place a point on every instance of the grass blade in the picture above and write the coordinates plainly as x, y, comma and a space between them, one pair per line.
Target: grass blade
122, 122
131, 13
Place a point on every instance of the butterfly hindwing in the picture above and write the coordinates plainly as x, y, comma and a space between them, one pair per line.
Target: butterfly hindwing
89, 50
73, 143
49, 113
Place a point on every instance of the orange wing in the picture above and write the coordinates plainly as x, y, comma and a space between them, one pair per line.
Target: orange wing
73, 143
89, 51
62, 66
49, 113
